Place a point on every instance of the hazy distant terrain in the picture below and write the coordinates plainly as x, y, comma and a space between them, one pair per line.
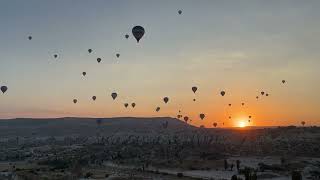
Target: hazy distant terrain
86, 126
153, 147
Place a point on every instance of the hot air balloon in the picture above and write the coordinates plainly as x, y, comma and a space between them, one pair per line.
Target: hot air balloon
179, 111
138, 32
166, 99
90, 50
55, 56
250, 117
180, 11
215, 124
114, 96
257, 97
262, 93
267, 94
29, 37
84, 73
186, 118
242, 104
158, 109
249, 120
94, 98
3, 89
283, 81
229, 104
118, 55
133, 105
194, 99
303, 123
222, 93
126, 36
202, 116
126, 105
194, 89
98, 60
75, 101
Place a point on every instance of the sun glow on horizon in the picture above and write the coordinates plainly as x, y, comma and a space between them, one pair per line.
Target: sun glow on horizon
241, 124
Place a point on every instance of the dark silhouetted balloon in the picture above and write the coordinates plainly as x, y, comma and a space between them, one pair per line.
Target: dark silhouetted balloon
267, 94
55, 56
229, 117
29, 37
158, 109
194, 99
180, 11
126, 36
202, 116
90, 50
118, 55
138, 32
283, 81
84, 73
229, 104
303, 123
215, 124
166, 99
126, 105
4, 89
114, 96
133, 105
249, 120
98, 60
186, 118
262, 93
94, 98
222, 93
194, 89
257, 97
250, 117
75, 101
242, 104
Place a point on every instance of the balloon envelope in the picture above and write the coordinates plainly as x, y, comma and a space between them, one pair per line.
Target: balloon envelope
180, 11
94, 98
133, 105
114, 96
84, 73
4, 89
118, 55
166, 99
99, 60
222, 93
138, 32
202, 116
29, 37
126, 36
90, 50
75, 101
194, 89
126, 105
158, 109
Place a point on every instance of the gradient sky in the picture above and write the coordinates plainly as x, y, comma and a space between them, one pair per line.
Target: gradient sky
242, 47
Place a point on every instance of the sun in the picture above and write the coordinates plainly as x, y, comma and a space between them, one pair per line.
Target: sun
242, 124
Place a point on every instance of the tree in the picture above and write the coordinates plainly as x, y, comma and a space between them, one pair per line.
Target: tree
226, 165
238, 164
296, 175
